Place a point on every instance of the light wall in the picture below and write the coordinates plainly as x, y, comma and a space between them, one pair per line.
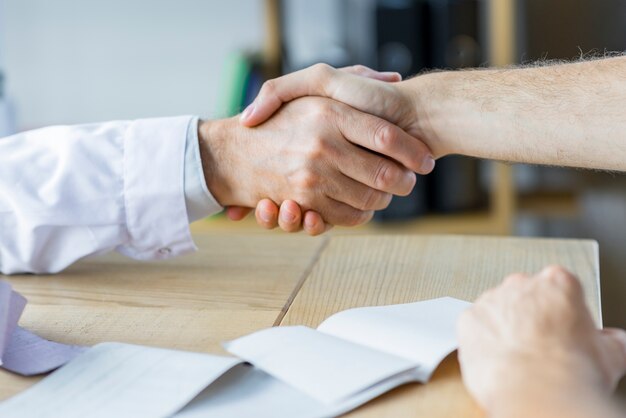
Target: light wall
72, 61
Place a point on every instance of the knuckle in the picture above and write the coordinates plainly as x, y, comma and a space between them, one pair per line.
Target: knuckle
385, 176
385, 137
515, 278
561, 277
322, 112
318, 148
269, 87
361, 69
369, 199
322, 70
306, 180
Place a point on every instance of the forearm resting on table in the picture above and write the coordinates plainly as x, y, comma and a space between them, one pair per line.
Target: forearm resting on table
568, 115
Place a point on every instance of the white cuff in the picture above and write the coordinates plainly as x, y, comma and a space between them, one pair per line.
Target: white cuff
198, 199
154, 164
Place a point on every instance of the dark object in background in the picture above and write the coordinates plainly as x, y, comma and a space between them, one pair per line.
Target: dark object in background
401, 46
563, 29
401, 41
455, 38
413, 35
455, 185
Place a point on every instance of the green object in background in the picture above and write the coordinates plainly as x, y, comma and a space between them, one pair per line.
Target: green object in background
233, 87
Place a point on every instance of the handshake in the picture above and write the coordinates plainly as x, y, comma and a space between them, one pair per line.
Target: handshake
320, 147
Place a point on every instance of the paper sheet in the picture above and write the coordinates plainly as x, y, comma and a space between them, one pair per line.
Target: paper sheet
327, 368
247, 391
21, 351
29, 354
11, 307
121, 381
424, 332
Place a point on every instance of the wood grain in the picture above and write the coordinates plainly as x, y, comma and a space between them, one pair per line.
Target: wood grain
238, 283
379, 270
234, 285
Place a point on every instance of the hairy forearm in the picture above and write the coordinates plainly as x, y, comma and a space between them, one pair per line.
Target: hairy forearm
569, 114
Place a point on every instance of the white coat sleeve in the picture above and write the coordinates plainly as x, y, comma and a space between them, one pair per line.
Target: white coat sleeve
67, 192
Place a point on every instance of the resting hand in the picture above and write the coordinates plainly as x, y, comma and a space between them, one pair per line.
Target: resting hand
529, 347
312, 150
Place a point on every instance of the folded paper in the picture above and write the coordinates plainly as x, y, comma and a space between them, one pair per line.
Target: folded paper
21, 351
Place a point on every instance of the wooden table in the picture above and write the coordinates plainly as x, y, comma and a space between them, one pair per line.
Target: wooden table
237, 284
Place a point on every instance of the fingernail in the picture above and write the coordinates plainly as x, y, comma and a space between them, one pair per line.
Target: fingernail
247, 112
428, 164
266, 216
287, 216
393, 74
309, 223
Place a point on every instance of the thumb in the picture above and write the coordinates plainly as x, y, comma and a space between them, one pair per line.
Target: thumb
312, 81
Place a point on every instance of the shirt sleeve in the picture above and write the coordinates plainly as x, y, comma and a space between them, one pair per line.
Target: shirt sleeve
67, 192
198, 199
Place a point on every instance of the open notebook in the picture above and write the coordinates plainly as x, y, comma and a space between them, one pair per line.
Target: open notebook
352, 357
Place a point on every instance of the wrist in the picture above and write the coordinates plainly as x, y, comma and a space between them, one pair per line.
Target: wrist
420, 93
448, 113
546, 391
213, 136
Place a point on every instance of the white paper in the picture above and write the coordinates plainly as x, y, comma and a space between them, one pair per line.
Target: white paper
120, 380
424, 332
246, 391
324, 367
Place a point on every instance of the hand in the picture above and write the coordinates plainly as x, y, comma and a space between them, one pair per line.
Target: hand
312, 149
531, 342
267, 212
369, 94
357, 86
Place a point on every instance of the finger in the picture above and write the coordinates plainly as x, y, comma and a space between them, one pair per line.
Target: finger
290, 216
267, 214
377, 172
338, 213
353, 193
385, 138
313, 223
617, 337
362, 93
237, 213
363, 71
515, 279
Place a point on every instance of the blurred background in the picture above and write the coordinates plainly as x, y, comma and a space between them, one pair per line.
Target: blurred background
70, 61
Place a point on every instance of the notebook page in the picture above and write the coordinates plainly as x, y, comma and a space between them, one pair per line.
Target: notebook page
422, 332
327, 368
121, 381
246, 391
